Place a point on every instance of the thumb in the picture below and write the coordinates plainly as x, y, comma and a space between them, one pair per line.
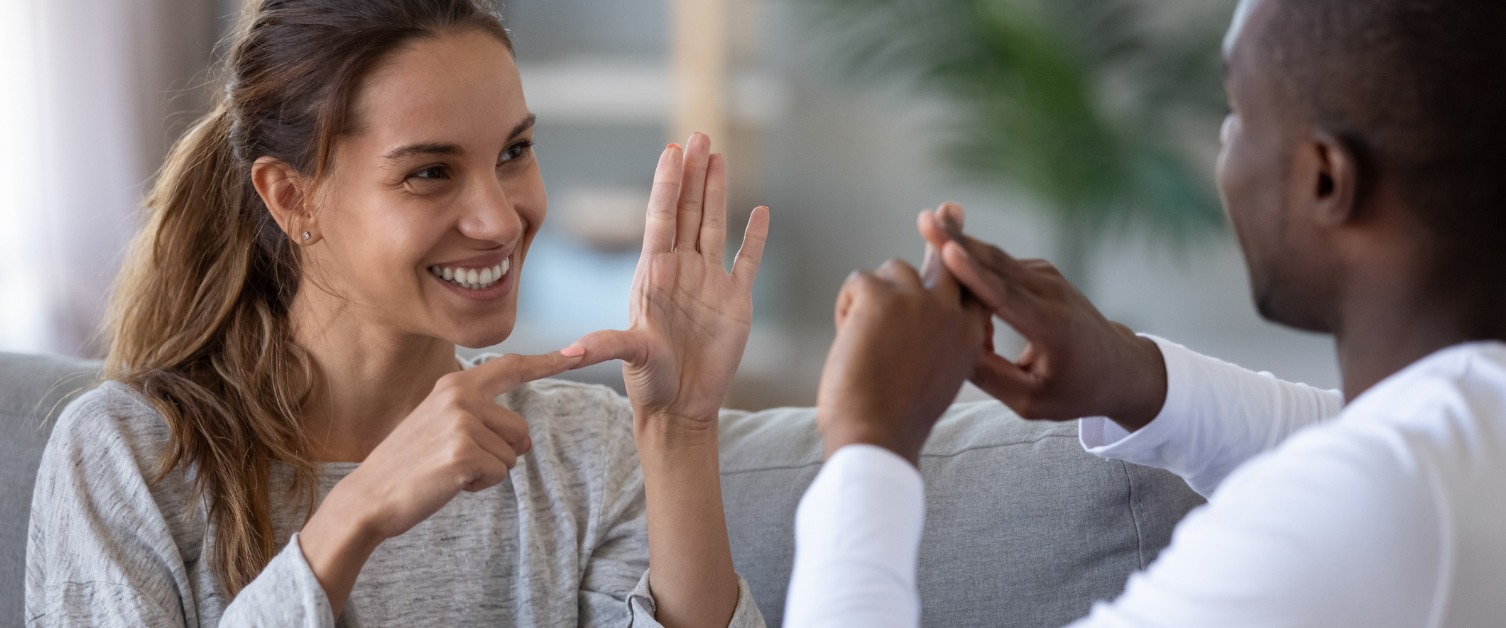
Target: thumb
609, 344
502, 374
1005, 381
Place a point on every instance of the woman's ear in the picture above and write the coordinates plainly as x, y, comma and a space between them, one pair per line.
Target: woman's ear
283, 190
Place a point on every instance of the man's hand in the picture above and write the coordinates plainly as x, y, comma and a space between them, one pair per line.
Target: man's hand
1077, 362
904, 346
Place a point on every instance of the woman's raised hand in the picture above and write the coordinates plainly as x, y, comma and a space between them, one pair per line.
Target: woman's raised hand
688, 317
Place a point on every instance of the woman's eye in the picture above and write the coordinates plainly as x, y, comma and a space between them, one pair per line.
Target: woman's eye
431, 172
515, 152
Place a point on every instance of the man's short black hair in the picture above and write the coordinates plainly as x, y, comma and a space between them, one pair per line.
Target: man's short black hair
1417, 88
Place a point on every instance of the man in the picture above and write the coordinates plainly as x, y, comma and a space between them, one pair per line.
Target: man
1364, 172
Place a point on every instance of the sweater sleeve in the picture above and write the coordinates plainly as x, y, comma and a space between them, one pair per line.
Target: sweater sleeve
615, 588
105, 546
1216, 417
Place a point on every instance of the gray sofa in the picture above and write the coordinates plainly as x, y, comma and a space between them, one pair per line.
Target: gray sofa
1023, 528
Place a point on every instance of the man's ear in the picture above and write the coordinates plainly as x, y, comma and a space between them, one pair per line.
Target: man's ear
1332, 175
284, 190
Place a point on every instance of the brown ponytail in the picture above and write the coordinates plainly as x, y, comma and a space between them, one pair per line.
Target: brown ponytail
199, 318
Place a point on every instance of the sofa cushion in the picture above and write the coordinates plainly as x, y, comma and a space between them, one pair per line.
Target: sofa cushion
33, 390
1023, 528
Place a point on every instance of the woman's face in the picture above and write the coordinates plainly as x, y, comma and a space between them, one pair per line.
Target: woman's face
434, 195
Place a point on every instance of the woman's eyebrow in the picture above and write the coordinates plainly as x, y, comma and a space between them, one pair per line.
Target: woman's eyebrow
441, 148
426, 148
523, 126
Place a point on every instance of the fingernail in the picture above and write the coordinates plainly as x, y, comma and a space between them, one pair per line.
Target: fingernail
573, 351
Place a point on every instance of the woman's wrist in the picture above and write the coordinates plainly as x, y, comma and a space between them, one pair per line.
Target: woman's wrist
690, 560
336, 542
668, 431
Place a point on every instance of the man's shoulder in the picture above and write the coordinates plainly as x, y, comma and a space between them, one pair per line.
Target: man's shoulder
1454, 399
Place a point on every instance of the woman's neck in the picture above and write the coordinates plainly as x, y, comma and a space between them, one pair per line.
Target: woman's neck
370, 378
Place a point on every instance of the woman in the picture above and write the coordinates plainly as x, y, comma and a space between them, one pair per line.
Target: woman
361, 201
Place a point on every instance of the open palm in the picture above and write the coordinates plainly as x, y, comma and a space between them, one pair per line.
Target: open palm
688, 317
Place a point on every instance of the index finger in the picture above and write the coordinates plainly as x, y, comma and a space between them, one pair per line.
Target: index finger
1000, 263
1002, 294
502, 374
942, 225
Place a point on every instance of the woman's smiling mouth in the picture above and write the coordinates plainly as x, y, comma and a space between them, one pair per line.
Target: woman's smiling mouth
472, 278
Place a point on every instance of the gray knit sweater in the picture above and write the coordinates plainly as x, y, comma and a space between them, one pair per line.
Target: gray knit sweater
562, 542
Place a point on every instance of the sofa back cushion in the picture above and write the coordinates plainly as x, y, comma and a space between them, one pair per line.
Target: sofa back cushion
1023, 528
33, 390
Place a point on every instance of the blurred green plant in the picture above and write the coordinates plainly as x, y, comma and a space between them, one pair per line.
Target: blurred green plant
1090, 108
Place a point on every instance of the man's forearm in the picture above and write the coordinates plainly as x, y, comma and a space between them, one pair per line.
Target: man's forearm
857, 535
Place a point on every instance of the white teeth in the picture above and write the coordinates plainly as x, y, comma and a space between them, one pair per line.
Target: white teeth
473, 278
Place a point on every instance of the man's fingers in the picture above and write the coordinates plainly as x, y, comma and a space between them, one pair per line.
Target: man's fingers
847, 297
1002, 264
944, 224
1017, 307
949, 290
713, 239
901, 274
663, 203
1028, 356
1004, 380
932, 270
750, 256
931, 230
502, 374
611, 344
692, 190
952, 218
931, 267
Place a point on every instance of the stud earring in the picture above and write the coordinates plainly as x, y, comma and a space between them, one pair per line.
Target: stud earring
306, 236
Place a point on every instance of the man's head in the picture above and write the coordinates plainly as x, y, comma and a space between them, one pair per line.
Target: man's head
1364, 136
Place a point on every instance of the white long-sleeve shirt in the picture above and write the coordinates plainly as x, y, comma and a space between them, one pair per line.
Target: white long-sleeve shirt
1392, 513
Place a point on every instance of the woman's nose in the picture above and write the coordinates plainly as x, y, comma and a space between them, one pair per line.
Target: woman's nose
490, 216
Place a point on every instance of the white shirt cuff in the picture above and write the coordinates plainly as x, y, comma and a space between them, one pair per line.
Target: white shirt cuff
1106, 439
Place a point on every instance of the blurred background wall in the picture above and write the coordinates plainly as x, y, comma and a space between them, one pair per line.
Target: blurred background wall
845, 153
